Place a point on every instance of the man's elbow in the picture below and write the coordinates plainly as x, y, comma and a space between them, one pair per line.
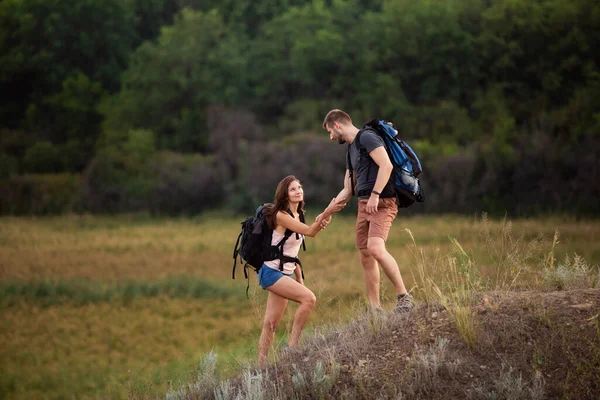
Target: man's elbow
387, 168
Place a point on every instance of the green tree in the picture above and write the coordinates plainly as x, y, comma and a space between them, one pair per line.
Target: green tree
74, 110
151, 15
194, 63
245, 16
298, 54
541, 51
42, 157
45, 42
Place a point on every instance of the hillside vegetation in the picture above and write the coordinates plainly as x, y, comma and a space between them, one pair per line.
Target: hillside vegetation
110, 307
532, 332
516, 345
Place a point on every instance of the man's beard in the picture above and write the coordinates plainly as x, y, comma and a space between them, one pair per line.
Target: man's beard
341, 141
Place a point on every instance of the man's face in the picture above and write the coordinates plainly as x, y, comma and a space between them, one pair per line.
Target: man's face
335, 132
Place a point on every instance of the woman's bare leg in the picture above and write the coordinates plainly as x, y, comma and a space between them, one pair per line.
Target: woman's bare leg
290, 289
275, 309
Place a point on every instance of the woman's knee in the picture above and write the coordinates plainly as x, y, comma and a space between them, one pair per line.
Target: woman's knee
270, 323
309, 300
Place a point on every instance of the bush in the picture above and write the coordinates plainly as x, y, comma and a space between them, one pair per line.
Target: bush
9, 166
314, 160
41, 194
42, 157
118, 178
184, 184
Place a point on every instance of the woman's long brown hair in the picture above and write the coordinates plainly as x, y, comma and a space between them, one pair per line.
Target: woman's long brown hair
280, 203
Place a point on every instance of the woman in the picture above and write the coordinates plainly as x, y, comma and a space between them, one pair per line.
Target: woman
289, 198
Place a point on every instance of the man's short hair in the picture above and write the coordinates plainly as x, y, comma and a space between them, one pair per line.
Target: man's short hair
336, 115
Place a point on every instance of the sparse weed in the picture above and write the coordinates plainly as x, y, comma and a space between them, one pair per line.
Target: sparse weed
225, 391
424, 264
255, 386
462, 284
425, 367
511, 256
205, 384
315, 385
510, 386
570, 274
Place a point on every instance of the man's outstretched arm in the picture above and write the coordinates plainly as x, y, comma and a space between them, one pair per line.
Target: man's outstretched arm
346, 193
339, 201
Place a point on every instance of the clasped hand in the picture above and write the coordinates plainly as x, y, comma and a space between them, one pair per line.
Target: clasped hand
333, 207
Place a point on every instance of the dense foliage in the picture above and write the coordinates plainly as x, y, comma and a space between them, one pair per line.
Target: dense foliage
181, 105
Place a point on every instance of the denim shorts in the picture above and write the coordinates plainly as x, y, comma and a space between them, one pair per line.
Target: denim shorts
267, 276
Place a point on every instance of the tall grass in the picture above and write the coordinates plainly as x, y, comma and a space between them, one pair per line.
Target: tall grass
518, 262
105, 302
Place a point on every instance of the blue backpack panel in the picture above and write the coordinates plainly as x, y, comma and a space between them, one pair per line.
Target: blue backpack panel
407, 166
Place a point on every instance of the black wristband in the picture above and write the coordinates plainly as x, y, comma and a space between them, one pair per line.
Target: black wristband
376, 192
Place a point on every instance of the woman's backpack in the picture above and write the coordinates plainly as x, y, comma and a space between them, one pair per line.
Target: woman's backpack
253, 245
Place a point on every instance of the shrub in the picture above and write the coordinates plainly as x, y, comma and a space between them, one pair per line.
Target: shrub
573, 273
42, 157
9, 166
184, 184
41, 194
510, 386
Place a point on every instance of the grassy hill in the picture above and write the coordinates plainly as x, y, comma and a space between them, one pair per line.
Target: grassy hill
531, 332
520, 345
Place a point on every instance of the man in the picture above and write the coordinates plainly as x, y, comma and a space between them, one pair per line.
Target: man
377, 207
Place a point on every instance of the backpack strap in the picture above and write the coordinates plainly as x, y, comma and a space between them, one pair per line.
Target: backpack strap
303, 221
359, 148
350, 169
288, 232
235, 253
247, 279
283, 258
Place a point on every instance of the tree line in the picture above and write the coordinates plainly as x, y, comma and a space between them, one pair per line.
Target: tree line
177, 106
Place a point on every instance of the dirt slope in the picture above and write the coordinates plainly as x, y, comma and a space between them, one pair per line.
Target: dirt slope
526, 345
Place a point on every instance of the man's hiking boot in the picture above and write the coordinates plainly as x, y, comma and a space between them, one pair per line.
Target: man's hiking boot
405, 303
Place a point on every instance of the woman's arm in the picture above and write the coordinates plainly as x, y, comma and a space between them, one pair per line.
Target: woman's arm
286, 220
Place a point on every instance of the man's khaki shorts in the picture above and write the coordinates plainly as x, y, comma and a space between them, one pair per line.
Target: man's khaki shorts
374, 225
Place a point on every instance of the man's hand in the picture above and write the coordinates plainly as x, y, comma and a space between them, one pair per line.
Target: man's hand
335, 205
323, 221
372, 204
326, 221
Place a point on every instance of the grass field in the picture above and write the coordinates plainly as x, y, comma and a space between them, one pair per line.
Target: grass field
102, 307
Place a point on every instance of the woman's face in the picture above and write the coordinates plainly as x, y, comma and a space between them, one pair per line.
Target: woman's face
295, 192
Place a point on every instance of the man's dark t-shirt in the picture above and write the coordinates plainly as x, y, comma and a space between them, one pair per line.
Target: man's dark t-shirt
365, 169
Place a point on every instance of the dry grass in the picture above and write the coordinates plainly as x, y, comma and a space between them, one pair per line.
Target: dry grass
109, 348
517, 360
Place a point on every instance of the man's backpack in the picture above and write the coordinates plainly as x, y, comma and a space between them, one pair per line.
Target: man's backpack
407, 166
253, 245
